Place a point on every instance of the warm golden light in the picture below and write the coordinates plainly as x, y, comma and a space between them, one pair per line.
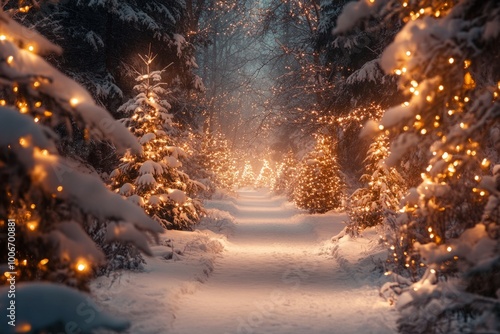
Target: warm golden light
74, 102
81, 265
32, 225
23, 328
23, 142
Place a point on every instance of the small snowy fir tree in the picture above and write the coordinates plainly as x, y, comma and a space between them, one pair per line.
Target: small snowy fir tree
266, 176
45, 201
286, 176
153, 180
451, 112
247, 176
219, 160
320, 185
383, 191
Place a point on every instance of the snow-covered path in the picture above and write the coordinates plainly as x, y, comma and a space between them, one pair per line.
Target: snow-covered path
273, 278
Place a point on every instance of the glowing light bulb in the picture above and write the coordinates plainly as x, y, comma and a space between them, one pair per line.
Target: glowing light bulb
81, 265
32, 225
74, 101
23, 142
451, 60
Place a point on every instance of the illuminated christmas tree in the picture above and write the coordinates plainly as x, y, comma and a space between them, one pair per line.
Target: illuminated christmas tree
247, 177
152, 179
266, 176
320, 186
383, 191
46, 201
219, 160
445, 60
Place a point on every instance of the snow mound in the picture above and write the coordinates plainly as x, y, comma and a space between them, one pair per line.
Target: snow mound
360, 258
218, 221
181, 263
42, 305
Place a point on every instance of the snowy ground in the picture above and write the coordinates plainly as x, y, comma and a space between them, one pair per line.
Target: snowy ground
278, 273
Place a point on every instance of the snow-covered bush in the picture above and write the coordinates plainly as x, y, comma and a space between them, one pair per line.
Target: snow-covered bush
119, 255
45, 201
153, 179
320, 185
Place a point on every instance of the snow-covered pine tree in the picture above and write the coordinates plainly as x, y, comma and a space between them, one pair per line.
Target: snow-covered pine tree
445, 58
192, 142
153, 180
266, 176
45, 201
247, 176
320, 185
219, 160
382, 191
